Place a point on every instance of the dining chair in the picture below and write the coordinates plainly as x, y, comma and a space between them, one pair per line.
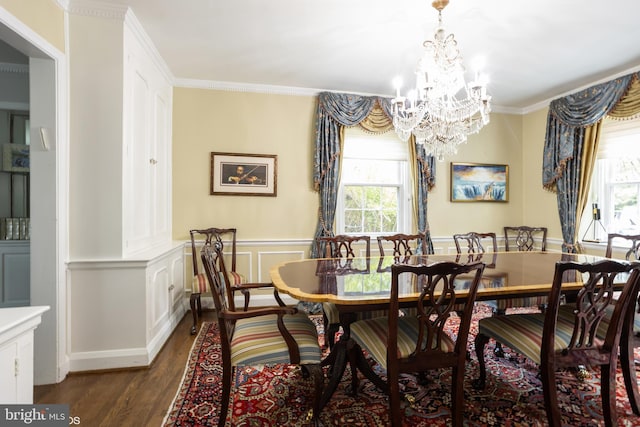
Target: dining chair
567, 335
524, 239
343, 247
472, 242
631, 339
199, 283
402, 245
259, 336
631, 241
420, 342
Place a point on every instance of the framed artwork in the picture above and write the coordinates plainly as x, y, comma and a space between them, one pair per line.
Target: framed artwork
15, 157
476, 182
244, 174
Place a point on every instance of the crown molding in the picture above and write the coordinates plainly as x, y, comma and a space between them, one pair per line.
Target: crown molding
97, 9
64, 4
245, 87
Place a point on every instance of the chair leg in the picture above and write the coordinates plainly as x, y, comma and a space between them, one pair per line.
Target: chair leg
608, 392
395, 414
497, 350
194, 301
627, 361
550, 393
226, 393
480, 342
457, 396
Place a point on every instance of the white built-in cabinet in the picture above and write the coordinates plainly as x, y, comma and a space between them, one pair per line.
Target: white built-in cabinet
16, 353
147, 148
165, 292
125, 274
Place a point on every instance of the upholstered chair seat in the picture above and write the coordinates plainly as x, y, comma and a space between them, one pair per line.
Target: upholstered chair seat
573, 335
256, 341
259, 336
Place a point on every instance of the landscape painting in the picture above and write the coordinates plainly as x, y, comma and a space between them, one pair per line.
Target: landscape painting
474, 182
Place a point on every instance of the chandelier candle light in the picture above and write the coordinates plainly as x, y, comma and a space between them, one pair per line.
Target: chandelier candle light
443, 109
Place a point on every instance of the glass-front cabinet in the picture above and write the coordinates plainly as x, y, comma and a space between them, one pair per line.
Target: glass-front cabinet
15, 227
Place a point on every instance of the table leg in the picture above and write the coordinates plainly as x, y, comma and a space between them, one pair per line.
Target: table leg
343, 352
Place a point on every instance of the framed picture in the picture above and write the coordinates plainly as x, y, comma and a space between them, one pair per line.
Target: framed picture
15, 157
475, 182
244, 174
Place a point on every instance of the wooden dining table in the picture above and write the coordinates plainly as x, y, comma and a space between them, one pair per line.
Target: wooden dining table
363, 284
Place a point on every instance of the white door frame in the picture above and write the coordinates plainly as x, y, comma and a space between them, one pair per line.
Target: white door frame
49, 94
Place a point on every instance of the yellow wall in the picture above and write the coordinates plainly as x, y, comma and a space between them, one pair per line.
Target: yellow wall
500, 142
210, 120
206, 121
45, 17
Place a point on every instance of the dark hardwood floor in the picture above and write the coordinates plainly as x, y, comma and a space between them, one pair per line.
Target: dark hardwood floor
133, 397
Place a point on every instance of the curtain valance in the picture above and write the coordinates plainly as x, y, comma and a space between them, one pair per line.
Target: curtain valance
569, 116
336, 110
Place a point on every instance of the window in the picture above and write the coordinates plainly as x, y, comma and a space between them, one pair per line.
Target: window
374, 196
615, 185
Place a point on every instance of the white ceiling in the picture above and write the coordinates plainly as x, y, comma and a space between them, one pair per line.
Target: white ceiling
534, 50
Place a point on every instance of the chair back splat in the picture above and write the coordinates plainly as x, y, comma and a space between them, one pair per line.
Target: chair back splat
572, 334
471, 243
259, 336
343, 246
404, 245
525, 238
632, 241
238, 283
420, 342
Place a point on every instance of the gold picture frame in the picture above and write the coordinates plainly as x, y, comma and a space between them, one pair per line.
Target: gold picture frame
479, 182
235, 174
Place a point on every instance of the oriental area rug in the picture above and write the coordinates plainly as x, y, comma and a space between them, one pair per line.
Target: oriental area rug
280, 396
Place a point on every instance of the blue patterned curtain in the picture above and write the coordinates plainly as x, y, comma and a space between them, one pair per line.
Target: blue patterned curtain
336, 110
425, 166
567, 121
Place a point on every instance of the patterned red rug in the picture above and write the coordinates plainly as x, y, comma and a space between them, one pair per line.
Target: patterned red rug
279, 396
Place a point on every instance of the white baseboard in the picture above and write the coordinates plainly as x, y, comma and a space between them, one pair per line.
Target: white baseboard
126, 357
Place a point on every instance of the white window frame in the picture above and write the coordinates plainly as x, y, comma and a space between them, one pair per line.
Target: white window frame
385, 146
618, 138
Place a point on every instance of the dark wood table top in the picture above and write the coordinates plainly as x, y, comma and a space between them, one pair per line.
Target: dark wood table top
366, 281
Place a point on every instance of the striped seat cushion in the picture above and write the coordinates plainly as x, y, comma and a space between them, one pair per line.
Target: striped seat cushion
604, 324
199, 283
523, 332
503, 304
373, 334
257, 341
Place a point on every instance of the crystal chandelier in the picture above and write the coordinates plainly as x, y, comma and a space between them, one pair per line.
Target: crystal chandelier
443, 109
